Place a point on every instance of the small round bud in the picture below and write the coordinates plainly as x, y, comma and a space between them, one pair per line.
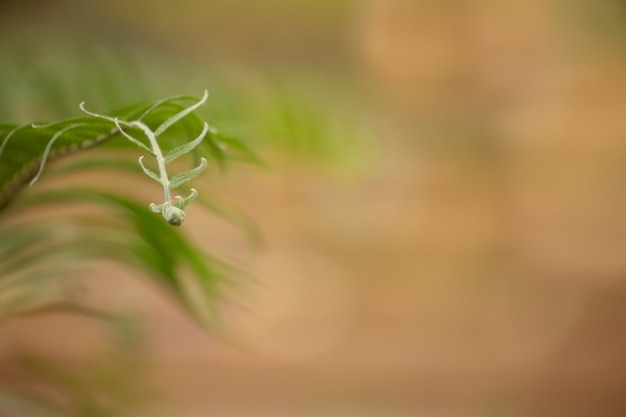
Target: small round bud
173, 215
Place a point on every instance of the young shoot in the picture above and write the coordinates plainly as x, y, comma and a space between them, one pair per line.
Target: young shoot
173, 207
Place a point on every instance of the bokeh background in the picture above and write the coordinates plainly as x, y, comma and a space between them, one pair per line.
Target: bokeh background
443, 221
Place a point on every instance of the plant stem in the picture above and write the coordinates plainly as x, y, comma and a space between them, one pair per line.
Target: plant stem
160, 159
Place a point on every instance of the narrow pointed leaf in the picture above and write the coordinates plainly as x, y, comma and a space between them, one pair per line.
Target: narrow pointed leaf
163, 102
183, 177
187, 147
148, 171
131, 138
48, 148
166, 124
9, 135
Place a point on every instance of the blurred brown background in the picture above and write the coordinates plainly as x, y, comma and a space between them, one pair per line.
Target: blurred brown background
470, 262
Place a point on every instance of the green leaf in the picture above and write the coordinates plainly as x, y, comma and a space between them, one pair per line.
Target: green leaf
148, 171
175, 118
129, 234
187, 147
179, 179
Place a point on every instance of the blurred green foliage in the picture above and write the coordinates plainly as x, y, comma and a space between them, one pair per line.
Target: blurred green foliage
315, 117
109, 384
66, 53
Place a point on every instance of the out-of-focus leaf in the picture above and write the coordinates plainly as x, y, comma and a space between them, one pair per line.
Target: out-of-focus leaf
108, 385
132, 235
13, 403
